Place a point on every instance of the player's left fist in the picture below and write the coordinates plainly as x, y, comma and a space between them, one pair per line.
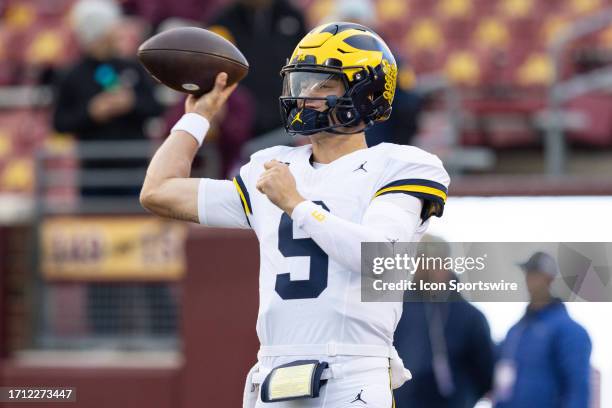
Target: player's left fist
278, 184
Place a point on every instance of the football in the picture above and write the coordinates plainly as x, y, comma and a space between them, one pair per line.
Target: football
188, 59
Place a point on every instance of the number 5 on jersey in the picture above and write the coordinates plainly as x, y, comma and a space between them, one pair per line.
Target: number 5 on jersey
319, 262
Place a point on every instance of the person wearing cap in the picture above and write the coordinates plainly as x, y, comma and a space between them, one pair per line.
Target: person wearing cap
544, 360
103, 97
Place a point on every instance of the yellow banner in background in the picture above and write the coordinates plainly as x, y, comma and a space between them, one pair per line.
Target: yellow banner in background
117, 248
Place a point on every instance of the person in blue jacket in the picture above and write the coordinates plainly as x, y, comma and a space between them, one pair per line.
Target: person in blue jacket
544, 360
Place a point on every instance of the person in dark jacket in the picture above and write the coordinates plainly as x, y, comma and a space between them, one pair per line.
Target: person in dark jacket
103, 97
544, 360
445, 342
266, 32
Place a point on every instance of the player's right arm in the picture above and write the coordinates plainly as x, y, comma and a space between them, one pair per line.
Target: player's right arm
168, 190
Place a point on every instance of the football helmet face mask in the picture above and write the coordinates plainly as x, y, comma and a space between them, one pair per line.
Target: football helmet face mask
341, 78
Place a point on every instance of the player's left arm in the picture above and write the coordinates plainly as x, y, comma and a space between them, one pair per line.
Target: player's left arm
389, 218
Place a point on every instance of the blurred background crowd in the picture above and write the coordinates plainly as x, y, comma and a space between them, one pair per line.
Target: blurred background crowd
513, 95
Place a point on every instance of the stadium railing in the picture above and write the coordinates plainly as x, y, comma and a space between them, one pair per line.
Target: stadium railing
557, 120
125, 312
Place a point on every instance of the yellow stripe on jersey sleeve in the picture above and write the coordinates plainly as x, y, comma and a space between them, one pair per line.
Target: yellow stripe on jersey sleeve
244, 197
413, 188
432, 193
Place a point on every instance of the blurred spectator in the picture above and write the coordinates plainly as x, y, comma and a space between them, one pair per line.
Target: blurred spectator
445, 342
544, 360
155, 12
266, 31
103, 97
227, 136
403, 123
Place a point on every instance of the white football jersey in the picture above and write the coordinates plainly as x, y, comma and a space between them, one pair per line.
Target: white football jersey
306, 297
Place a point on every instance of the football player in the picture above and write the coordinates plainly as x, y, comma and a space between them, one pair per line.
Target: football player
311, 207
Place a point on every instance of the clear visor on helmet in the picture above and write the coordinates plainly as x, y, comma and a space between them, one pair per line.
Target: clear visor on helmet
312, 85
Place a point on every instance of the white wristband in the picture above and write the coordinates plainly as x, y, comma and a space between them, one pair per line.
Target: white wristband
194, 124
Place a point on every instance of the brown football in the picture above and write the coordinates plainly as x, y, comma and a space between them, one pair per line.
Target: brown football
188, 59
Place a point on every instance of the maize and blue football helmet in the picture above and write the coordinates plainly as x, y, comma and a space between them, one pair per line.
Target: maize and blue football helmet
345, 56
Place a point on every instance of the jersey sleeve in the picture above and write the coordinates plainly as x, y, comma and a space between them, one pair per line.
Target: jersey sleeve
417, 173
225, 203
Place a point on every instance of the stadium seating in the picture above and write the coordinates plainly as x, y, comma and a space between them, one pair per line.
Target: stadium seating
496, 52
493, 51
34, 37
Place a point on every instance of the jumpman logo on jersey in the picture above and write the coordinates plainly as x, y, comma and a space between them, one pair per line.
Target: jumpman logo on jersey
361, 167
297, 118
358, 398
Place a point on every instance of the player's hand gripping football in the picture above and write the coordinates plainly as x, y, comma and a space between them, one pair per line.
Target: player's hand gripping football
210, 103
278, 184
